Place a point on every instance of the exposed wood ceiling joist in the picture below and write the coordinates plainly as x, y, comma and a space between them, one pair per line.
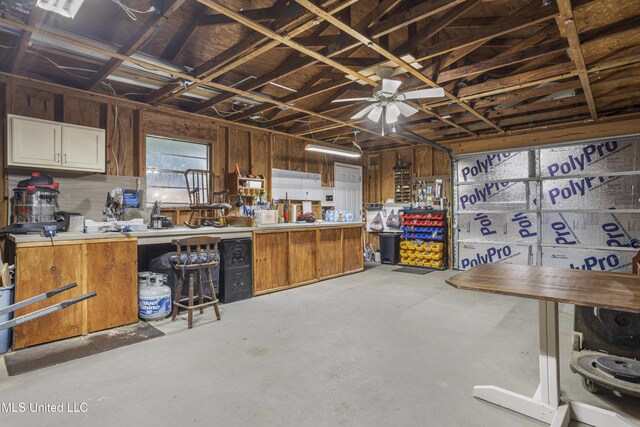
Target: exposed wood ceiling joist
189, 78
566, 18
500, 72
23, 43
135, 42
244, 51
391, 57
309, 52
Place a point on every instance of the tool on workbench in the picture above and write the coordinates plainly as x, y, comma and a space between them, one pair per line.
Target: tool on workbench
285, 213
42, 312
33, 205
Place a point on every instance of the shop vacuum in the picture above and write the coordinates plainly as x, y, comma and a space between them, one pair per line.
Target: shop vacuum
33, 206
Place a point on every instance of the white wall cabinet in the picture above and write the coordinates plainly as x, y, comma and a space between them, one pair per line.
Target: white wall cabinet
42, 143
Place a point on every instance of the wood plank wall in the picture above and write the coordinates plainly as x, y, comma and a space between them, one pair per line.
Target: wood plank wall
254, 151
378, 176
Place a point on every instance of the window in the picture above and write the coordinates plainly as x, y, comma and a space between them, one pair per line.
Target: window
167, 159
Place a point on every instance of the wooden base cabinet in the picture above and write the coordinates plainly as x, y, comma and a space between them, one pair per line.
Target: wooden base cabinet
284, 259
270, 261
102, 265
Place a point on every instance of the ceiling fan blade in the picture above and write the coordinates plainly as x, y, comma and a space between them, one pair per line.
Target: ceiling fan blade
435, 92
406, 109
360, 114
390, 86
353, 99
392, 113
375, 113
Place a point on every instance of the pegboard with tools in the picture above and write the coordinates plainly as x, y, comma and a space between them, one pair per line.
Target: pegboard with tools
428, 191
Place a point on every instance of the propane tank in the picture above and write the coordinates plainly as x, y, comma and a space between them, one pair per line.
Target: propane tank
154, 297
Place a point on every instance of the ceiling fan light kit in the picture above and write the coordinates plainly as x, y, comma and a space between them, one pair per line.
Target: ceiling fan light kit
387, 103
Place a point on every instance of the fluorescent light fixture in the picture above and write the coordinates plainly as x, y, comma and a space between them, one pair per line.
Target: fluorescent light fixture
329, 150
67, 8
283, 87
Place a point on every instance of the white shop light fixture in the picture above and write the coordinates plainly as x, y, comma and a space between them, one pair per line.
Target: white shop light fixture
67, 8
330, 150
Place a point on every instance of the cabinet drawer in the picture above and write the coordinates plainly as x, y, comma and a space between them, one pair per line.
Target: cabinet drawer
236, 284
236, 253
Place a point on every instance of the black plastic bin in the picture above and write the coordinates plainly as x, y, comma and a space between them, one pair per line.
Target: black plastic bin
390, 248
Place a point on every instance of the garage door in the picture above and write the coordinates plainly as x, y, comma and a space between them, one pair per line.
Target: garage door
575, 206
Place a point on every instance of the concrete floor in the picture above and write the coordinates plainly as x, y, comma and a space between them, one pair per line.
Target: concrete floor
372, 349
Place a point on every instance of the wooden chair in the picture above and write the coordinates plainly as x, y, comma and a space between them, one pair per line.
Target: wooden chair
635, 262
195, 256
207, 206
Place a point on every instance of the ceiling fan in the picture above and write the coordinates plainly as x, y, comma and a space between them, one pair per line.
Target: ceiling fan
387, 103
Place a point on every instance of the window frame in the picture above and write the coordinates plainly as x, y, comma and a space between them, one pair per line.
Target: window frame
177, 205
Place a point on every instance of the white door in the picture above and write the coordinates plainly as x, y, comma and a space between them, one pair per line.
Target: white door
83, 148
33, 142
348, 189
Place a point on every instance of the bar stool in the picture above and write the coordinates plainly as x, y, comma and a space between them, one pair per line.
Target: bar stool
195, 256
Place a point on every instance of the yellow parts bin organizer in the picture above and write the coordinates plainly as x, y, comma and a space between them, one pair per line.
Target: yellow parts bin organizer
428, 254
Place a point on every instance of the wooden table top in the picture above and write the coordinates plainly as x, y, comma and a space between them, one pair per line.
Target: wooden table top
616, 291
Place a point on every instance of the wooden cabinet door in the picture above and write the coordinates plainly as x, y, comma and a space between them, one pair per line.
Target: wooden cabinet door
352, 249
112, 271
303, 257
33, 142
83, 148
330, 250
41, 269
270, 261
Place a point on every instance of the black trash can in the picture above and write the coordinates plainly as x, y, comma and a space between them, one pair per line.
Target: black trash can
390, 248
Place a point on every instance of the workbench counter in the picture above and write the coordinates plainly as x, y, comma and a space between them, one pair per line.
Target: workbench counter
166, 235
284, 256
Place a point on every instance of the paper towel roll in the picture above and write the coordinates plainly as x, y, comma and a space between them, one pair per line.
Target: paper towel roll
293, 213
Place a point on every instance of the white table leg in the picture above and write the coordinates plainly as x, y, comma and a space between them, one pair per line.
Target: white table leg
548, 353
545, 405
595, 416
533, 408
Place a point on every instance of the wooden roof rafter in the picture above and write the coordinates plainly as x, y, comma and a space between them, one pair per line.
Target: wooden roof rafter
453, 56
291, 21
397, 60
309, 52
566, 18
187, 77
181, 38
23, 43
288, 67
148, 30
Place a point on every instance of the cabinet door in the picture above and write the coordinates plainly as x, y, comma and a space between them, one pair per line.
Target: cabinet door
330, 250
113, 274
270, 262
83, 148
42, 269
352, 249
303, 267
33, 142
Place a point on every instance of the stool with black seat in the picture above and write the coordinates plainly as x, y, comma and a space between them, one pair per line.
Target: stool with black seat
194, 257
